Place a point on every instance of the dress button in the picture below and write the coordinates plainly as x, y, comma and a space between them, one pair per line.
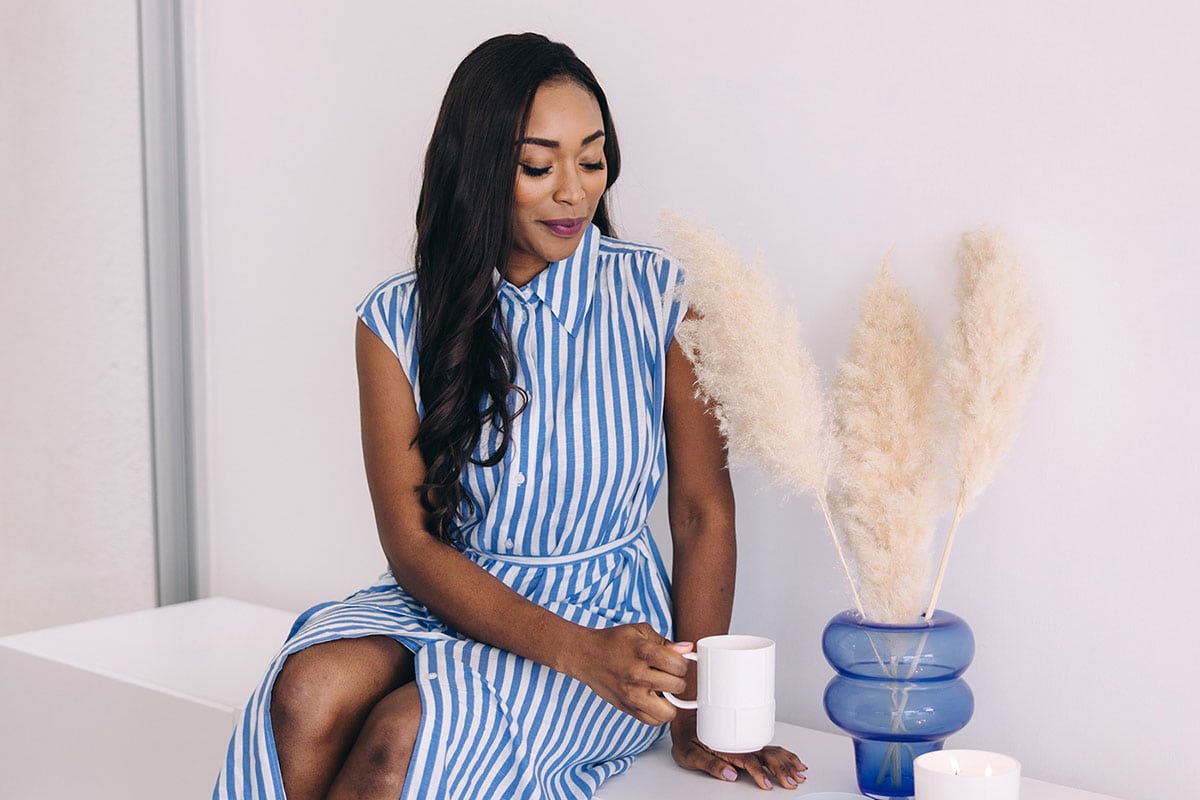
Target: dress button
518, 478
508, 544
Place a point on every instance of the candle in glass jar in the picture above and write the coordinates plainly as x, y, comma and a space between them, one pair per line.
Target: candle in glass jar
966, 775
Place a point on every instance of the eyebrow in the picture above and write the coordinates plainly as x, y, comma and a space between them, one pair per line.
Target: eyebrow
554, 145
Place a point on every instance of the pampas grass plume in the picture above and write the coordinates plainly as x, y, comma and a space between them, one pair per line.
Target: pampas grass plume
887, 495
749, 361
993, 353
994, 350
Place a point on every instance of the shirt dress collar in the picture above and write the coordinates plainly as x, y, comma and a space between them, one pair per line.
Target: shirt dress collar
567, 286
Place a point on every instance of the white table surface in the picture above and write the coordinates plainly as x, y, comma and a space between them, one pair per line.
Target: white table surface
830, 760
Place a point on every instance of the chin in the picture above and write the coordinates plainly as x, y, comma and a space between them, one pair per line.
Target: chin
560, 248
564, 251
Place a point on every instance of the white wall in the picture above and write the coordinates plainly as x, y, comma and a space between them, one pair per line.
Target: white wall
822, 133
76, 507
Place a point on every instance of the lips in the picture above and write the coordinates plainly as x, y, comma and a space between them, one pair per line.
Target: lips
564, 227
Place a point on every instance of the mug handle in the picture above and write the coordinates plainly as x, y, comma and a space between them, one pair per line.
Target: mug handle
675, 701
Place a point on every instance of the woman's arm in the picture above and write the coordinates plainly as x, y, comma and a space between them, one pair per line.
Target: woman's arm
704, 544
700, 507
626, 665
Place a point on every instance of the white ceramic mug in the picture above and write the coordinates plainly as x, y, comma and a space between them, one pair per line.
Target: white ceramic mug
735, 692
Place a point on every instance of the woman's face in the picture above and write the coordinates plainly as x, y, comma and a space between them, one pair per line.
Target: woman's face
560, 180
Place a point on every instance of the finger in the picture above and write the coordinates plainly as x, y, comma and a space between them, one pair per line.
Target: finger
754, 768
784, 766
644, 715
690, 756
657, 708
779, 758
654, 679
658, 681
664, 657
647, 706
660, 652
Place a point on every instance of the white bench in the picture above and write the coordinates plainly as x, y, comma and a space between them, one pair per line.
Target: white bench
141, 706
134, 707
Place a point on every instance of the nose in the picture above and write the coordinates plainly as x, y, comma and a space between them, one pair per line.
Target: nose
570, 188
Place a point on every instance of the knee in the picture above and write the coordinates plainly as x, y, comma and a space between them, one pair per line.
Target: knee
312, 699
302, 704
328, 689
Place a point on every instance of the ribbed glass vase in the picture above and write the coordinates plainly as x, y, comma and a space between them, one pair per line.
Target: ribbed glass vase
898, 692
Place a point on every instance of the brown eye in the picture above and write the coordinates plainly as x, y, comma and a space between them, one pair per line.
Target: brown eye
534, 172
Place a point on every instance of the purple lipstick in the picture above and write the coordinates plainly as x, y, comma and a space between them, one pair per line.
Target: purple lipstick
565, 228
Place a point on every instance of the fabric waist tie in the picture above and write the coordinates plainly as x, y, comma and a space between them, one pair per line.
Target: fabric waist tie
566, 558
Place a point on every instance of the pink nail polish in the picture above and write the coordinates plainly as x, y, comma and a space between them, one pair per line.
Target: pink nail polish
729, 773
767, 781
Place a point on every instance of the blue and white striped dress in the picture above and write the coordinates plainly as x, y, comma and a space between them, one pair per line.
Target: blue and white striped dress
562, 520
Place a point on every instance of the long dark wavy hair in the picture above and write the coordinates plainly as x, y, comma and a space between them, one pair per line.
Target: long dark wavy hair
464, 234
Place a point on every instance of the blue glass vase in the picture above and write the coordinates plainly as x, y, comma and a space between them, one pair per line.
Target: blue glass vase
898, 692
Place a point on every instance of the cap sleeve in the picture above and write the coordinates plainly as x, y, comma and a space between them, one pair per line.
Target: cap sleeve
390, 311
673, 303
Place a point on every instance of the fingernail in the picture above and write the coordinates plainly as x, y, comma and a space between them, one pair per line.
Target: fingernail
788, 780
767, 781
684, 646
801, 778
729, 773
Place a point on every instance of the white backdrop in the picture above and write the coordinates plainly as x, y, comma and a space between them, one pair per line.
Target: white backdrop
76, 477
822, 134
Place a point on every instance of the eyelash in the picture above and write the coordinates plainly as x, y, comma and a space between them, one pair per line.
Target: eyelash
537, 172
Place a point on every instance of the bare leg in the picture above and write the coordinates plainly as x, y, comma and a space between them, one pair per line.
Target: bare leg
320, 701
378, 763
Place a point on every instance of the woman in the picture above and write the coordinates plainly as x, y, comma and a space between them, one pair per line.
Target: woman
521, 398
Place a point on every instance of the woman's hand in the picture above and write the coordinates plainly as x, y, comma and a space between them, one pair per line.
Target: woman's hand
628, 665
769, 767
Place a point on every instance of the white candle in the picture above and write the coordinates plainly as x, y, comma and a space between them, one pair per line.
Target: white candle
966, 775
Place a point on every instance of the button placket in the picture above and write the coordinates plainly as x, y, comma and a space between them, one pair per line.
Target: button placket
523, 309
